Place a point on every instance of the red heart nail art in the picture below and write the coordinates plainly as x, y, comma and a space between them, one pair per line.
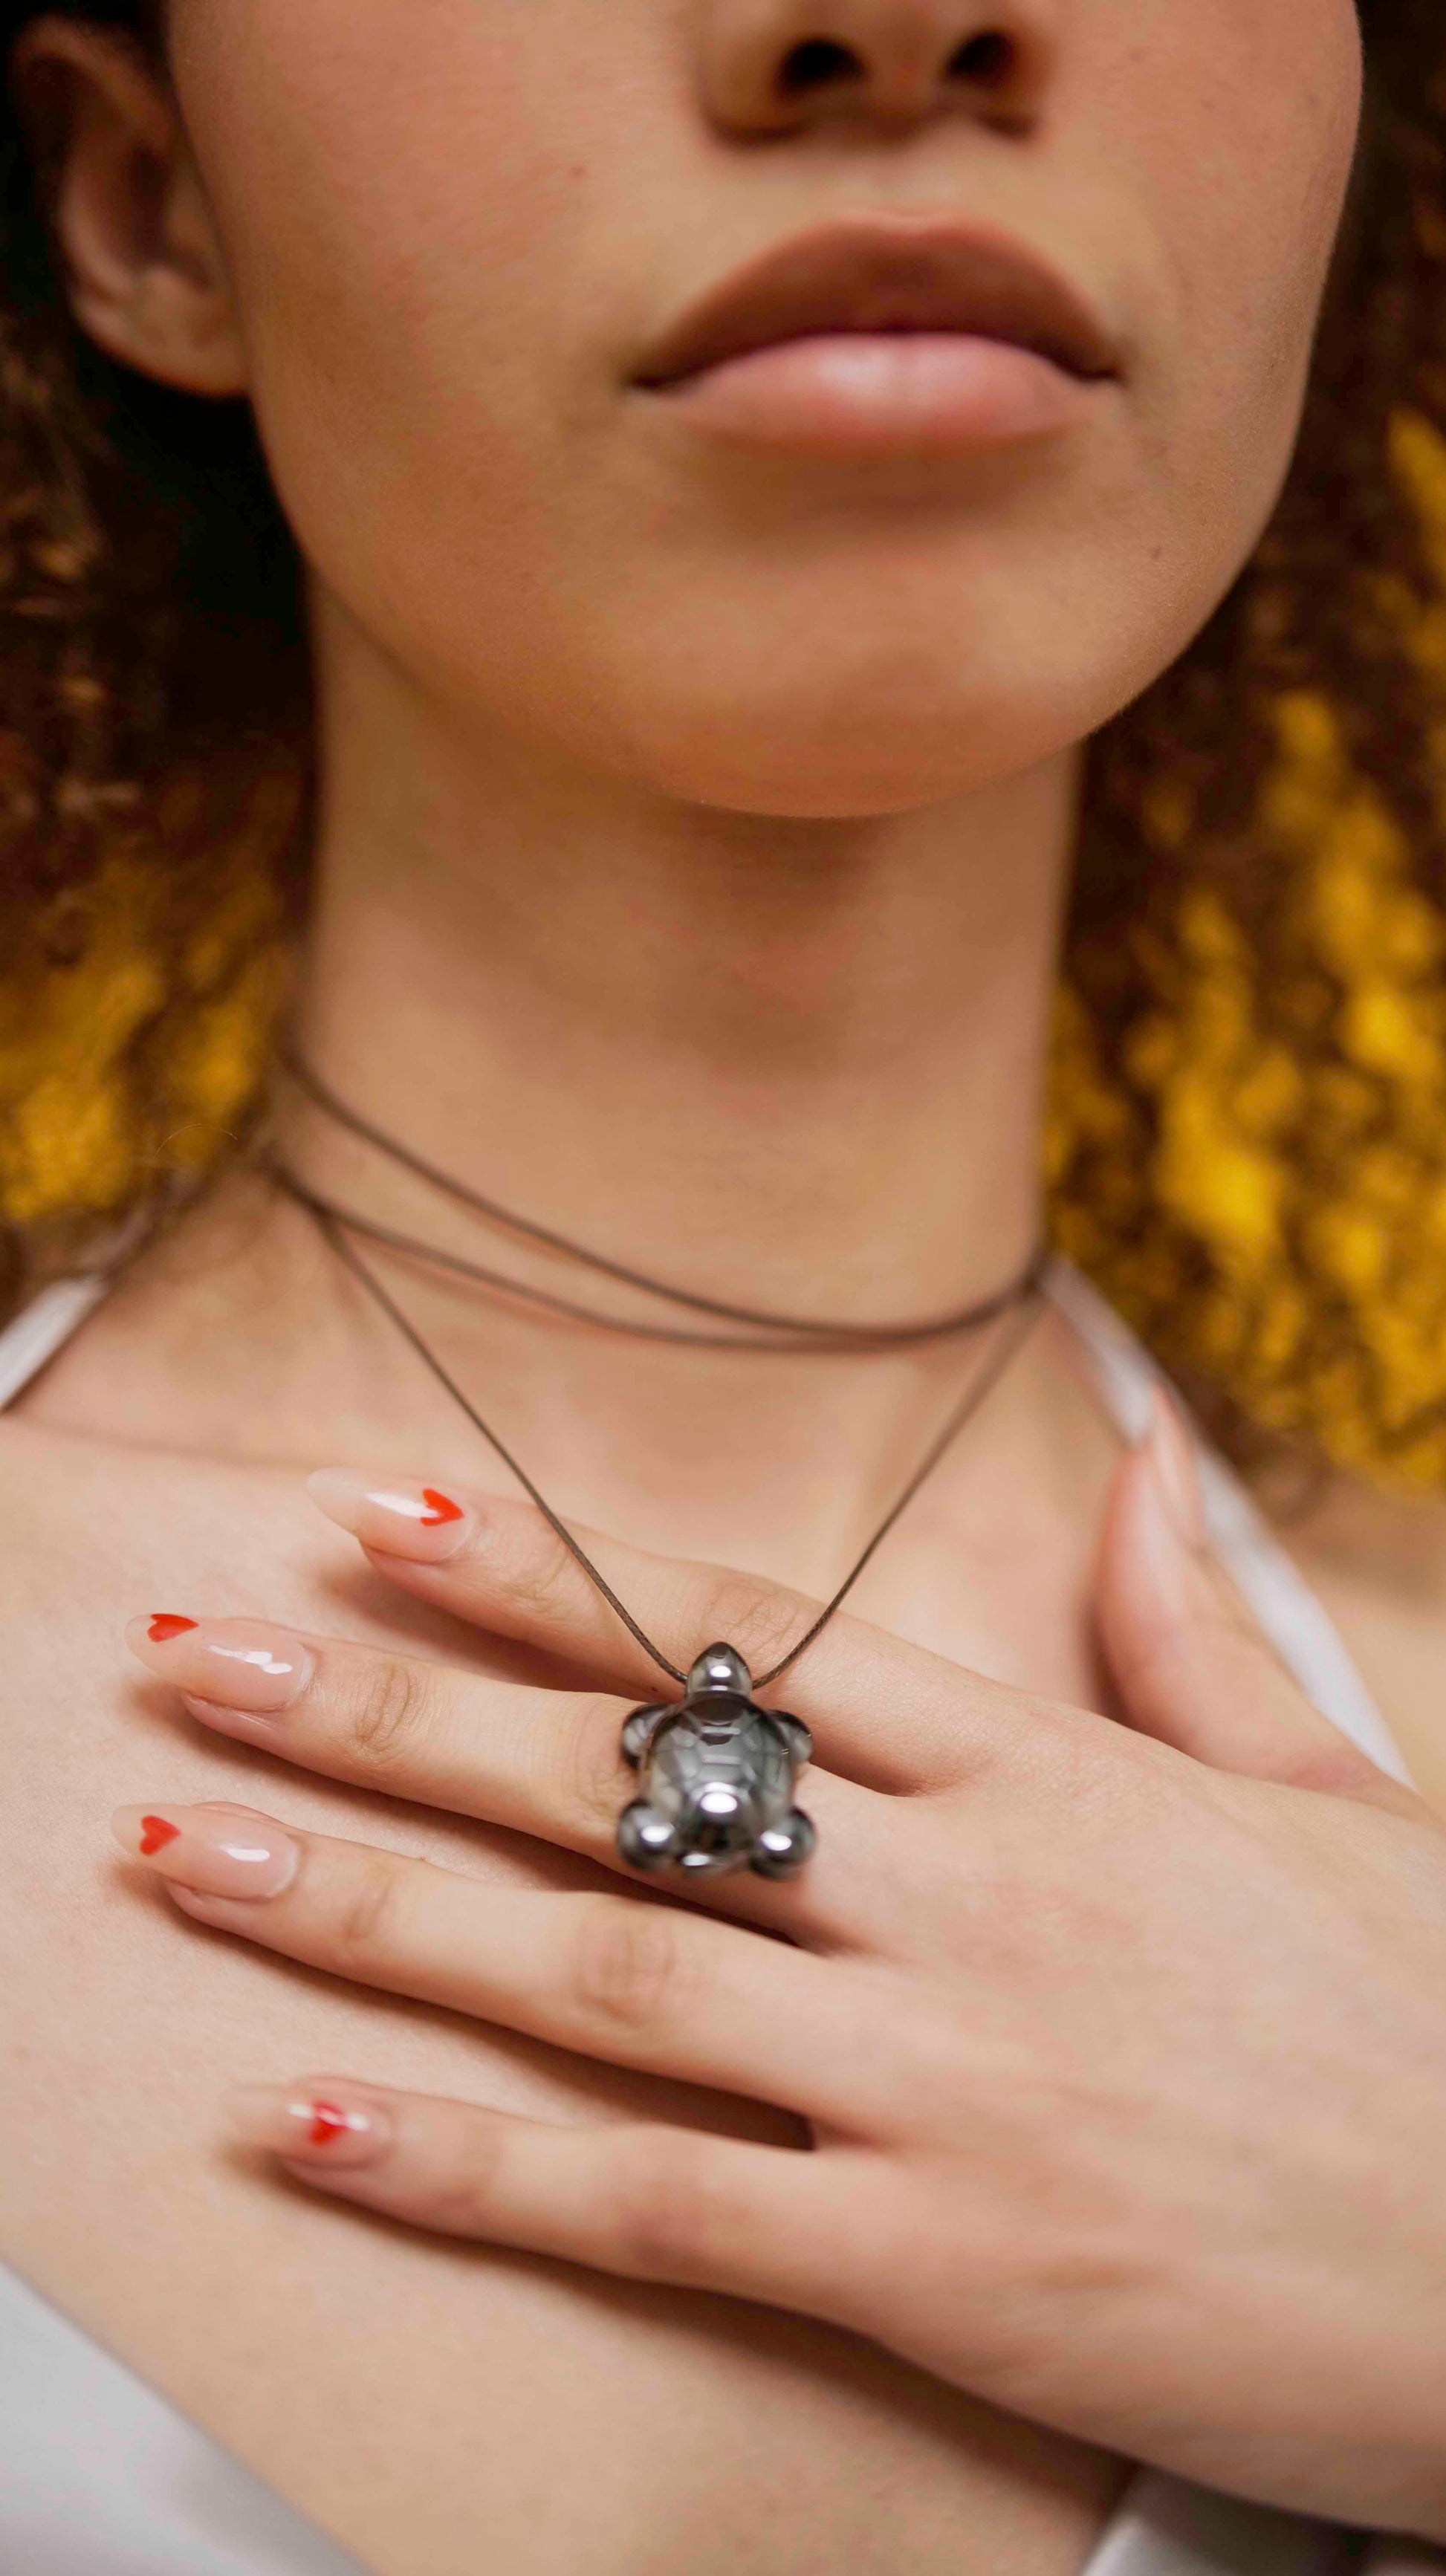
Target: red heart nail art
166, 1625
155, 1832
327, 2122
442, 1508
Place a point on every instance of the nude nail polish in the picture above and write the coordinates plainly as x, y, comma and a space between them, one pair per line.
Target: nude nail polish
235, 1663
427, 1523
325, 2122
213, 1850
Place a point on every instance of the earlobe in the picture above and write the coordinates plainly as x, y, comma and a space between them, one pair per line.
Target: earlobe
144, 267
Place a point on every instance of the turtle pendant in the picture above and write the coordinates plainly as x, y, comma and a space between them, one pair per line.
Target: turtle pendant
716, 1778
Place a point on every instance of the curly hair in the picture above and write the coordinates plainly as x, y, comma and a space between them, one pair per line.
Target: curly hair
1247, 1135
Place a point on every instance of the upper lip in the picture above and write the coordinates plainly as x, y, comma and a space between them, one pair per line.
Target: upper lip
875, 275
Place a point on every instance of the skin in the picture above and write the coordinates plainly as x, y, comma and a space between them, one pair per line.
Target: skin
705, 901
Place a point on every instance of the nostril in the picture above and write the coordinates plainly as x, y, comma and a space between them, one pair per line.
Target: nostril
989, 57
814, 64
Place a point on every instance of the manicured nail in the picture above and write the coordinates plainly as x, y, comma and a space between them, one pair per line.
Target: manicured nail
325, 2123
396, 1518
1172, 1457
235, 1663
214, 1850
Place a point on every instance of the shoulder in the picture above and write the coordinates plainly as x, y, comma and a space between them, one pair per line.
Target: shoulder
1377, 1562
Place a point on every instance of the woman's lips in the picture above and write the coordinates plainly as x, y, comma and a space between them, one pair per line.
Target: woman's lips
882, 393
882, 336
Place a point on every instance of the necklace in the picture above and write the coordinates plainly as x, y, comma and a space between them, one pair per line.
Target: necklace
716, 1771
795, 1333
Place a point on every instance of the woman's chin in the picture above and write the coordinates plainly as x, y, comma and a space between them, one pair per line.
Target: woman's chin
828, 727
829, 770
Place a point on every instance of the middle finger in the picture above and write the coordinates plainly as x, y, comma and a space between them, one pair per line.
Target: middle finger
534, 1761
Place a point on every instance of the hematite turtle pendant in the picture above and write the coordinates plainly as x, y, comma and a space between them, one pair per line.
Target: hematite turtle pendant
716, 1778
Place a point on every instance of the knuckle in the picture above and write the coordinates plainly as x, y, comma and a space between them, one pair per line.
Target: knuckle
1156, 1654
592, 1775
386, 1712
1221, 1616
1224, 1625
539, 1574
366, 1918
662, 2212
760, 1623
627, 1965
463, 2194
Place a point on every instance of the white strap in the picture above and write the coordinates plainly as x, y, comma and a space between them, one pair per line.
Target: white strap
1171, 2527
42, 1328
101, 2476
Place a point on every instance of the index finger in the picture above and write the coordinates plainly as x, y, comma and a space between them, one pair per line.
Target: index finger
895, 1717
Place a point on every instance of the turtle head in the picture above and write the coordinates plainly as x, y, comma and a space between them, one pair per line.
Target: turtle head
719, 1668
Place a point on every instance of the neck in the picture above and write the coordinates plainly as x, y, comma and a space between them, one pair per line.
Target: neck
794, 1062
791, 1063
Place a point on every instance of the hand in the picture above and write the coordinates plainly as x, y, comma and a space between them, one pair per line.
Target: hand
1122, 2051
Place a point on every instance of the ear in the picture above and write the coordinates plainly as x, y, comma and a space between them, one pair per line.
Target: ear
145, 272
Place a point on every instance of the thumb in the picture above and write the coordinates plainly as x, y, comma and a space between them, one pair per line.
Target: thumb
1191, 1664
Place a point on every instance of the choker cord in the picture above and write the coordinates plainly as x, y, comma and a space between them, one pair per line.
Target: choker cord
837, 1333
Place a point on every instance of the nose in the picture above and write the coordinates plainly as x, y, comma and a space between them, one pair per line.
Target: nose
781, 66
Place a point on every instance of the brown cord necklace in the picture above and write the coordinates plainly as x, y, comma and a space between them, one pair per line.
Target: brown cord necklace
717, 1772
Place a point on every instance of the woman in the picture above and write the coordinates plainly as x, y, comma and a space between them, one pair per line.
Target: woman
701, 677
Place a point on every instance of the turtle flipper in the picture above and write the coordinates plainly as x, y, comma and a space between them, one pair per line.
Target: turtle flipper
638, 1732
646, 1838
784, 1848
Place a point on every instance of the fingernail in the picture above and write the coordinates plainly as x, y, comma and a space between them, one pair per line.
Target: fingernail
214, 1850
237, 1663
1172, 1459
322, 2123
423, 1522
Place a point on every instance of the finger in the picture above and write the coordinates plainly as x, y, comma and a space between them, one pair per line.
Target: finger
541, 1762
655, 1987
646, 2201
885, 1713
1192, 1664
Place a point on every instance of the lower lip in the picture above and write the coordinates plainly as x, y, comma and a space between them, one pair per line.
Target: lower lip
882, 393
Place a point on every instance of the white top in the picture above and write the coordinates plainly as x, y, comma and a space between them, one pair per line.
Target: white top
101, 2476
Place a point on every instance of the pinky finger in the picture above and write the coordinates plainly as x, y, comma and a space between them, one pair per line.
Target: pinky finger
643, 2200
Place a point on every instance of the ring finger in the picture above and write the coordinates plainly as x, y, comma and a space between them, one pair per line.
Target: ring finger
656, 1987
540, 1762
